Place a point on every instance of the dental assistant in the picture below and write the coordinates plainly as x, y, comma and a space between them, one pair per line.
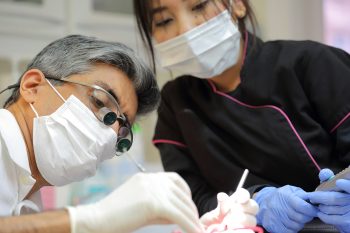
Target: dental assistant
278, 108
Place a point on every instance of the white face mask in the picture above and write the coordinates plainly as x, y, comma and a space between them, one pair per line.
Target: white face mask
70, 143
205, 51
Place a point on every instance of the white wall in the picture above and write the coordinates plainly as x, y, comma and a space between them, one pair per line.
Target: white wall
290, 19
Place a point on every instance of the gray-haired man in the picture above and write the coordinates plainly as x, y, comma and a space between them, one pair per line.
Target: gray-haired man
72, 109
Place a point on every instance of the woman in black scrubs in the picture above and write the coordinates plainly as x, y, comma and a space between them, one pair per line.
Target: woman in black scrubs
278, 108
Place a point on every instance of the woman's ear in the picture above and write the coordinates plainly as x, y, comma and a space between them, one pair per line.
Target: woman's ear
30, 82
239, 9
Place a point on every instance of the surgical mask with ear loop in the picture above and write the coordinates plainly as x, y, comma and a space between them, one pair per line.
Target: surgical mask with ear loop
205, 51
70, 143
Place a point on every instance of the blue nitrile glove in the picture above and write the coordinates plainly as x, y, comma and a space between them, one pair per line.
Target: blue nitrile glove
284, 209
334, 206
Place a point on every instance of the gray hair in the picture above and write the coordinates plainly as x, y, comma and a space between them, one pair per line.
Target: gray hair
77, 54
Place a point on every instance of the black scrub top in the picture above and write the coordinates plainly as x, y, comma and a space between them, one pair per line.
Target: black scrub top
286, 119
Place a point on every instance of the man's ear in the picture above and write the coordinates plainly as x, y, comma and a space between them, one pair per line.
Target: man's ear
30, 82
239, 9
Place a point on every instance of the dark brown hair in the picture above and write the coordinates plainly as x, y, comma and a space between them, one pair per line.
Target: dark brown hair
142, 10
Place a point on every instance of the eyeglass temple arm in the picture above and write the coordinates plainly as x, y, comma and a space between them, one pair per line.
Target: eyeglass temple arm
92, 86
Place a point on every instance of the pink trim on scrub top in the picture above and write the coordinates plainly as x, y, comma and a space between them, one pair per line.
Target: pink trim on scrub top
266, 106
340, 122
166, 141
272, 107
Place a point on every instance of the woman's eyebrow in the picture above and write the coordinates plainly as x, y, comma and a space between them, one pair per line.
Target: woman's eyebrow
160, 9
157, 10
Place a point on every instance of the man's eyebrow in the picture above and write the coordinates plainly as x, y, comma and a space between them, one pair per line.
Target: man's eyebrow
107, 88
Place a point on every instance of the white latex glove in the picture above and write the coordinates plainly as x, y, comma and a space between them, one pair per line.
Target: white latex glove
146, 198
232, 212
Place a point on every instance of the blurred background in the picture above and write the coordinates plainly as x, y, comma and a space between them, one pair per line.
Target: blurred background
26, 26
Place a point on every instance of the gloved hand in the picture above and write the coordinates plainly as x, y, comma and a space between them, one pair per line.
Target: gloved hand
334, 206
284, 209
232, 212
146, 198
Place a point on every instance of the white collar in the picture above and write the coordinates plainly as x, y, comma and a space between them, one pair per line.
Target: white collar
17, 150
14, 140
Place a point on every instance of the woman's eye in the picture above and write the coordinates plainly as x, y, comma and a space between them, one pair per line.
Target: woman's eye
163, 23
200, 6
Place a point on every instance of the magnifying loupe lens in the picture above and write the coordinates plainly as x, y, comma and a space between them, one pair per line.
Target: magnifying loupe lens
110, 118
123, 145
107, 116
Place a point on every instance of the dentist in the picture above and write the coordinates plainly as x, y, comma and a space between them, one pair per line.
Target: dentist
72, 109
